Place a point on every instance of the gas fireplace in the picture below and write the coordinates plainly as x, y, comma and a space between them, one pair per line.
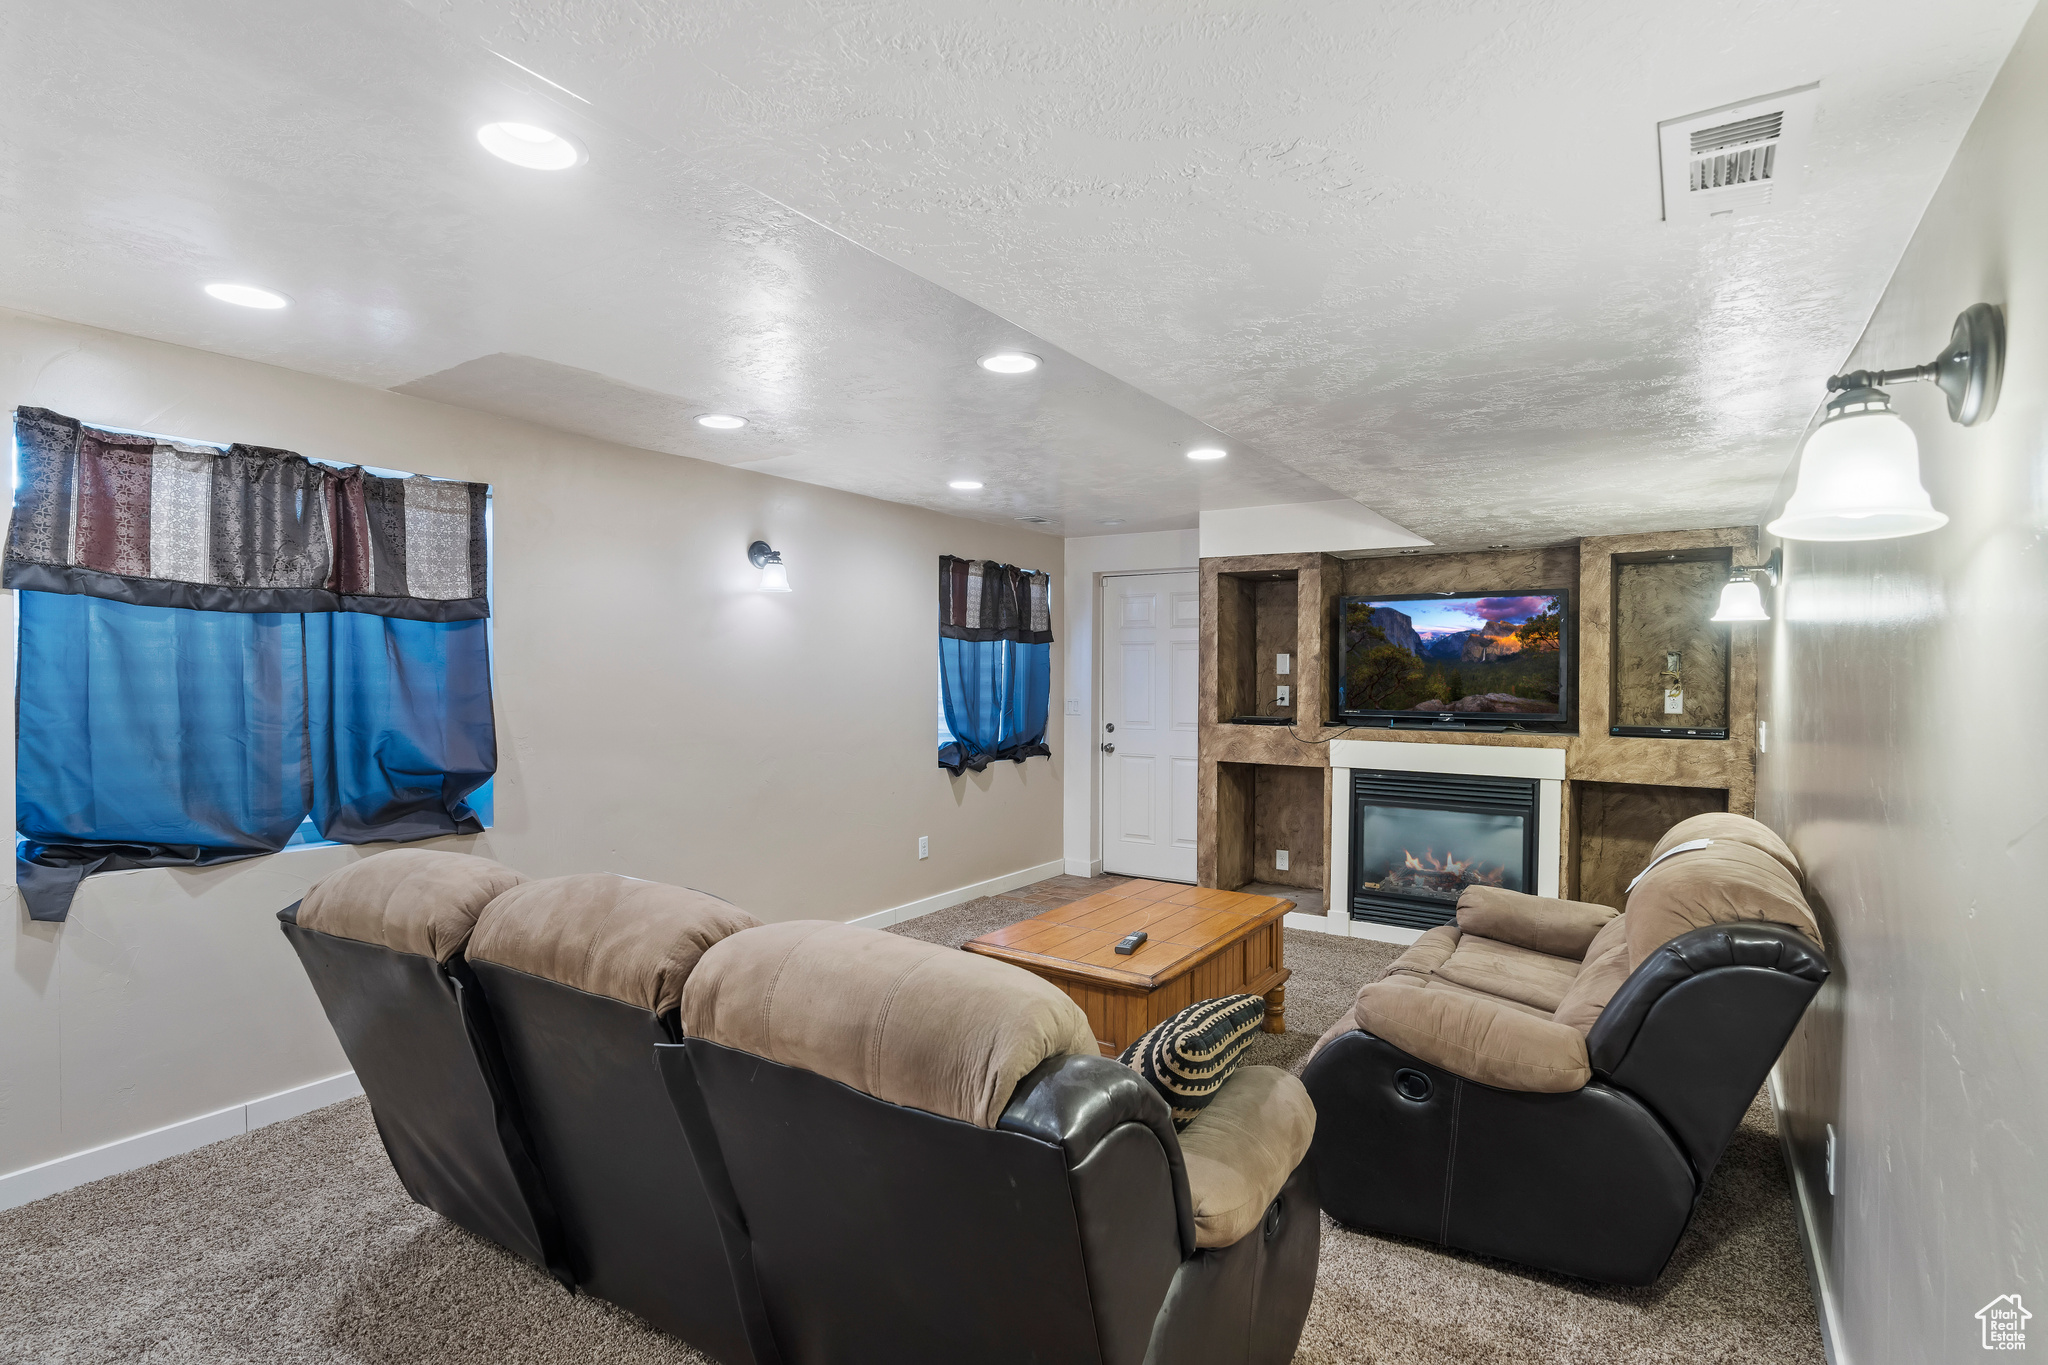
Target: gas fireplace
1419, 839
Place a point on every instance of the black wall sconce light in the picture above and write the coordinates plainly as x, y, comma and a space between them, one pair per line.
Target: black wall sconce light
1859, 473
1740, 598
774, 577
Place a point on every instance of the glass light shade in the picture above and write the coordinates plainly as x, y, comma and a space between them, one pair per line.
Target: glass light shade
1741, 601
774, 577
1859, 479
522, 144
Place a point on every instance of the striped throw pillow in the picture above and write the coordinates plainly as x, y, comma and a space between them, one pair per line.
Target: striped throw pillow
1189, 1057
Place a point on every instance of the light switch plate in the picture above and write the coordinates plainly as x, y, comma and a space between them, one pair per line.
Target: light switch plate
1280, 860
1073, 706
924, 845
1282, 663
1286, 697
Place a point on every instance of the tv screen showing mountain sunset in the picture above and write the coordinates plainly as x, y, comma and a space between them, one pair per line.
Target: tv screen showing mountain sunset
1495, 654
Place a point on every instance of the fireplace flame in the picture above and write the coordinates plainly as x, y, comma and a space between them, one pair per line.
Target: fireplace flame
1467, 868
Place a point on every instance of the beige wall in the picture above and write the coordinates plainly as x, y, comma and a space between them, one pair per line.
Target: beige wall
1908, 765
657, 716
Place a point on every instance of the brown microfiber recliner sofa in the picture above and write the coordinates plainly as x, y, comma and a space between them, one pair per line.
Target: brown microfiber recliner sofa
1552, 1082
936, 1165
803, 1143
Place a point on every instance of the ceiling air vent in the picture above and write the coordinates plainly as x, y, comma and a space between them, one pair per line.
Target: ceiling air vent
1736, 161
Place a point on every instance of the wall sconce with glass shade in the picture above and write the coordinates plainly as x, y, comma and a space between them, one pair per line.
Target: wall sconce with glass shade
1740, 598
774, 577
1859, 472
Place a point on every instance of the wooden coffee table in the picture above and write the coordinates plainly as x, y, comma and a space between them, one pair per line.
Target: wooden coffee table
1203, 944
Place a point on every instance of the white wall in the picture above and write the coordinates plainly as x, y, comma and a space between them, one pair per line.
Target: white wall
1908, 766
657, 716
1088, 558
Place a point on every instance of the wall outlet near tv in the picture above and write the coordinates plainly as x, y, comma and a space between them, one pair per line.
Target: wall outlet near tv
924, 845
1280, 860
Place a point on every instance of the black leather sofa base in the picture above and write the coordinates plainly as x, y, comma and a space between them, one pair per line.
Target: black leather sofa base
422, 1041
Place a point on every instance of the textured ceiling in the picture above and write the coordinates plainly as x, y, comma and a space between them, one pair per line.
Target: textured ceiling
1406, 252
328, 152
1411, 249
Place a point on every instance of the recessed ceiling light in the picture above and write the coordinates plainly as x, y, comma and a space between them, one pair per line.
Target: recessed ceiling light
1010, 362
1032, 521
1207, 453
247, 295
721, 421
1502, 546
965, 485
1110, 521
522, 144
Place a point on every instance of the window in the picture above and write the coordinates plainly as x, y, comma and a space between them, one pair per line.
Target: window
222, 646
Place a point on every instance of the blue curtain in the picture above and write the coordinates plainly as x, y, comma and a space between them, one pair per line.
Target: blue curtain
157, 734
995, 663
402, 731
993, 695
164, 736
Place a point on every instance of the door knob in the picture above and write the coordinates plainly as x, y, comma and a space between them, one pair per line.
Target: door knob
1109, 748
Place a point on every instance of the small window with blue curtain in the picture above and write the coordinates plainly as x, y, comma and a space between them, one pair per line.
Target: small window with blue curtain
220, 647
995, 663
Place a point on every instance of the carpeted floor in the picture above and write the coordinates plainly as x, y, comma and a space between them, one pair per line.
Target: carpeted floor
295, 1243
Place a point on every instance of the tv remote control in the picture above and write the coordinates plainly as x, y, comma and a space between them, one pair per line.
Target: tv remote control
1128, 945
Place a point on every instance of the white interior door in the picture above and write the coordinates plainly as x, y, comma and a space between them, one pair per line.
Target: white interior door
1151, 632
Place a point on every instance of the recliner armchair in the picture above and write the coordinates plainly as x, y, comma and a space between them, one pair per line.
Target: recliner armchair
1551, 1082
934, 1163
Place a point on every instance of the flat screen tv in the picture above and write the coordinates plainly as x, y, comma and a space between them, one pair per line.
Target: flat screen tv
1488, 658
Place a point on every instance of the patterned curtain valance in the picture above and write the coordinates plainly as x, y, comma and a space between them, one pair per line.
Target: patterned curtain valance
159, 523
980, 599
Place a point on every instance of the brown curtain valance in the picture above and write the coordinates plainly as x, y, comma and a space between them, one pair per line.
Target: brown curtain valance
251, 529
980, 599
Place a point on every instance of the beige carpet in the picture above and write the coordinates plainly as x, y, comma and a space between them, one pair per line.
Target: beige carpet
295, 1243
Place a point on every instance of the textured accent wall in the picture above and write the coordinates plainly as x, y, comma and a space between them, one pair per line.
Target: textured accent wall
1908, 766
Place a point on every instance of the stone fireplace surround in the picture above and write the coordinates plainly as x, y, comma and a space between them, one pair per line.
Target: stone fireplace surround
1545, 766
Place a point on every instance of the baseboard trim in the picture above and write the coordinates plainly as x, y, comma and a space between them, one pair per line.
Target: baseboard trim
174, 1139
1384, 933
1828, 1310
1321, 924
1082, 867
960, 895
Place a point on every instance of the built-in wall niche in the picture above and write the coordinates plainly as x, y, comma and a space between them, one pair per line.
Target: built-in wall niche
1617, 823
1263, 808
1670, 672
1258, 628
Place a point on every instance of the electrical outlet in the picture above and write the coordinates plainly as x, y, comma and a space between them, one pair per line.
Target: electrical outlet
1073, 706
1282, 663
1280, 859
1674, 701
1831, 1161
924, 845
1286, 697
1763, 736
